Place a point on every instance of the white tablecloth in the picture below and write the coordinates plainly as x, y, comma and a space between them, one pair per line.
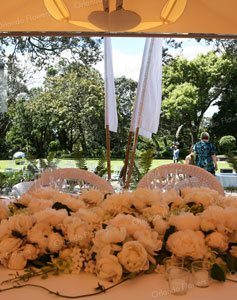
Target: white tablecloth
227, 179
145, 287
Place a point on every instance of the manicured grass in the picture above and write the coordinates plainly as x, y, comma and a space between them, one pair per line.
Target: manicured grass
116, 164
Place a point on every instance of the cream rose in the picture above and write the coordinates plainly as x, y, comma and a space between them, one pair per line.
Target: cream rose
109, 268
55, 242
133, 257
17, 261
217, 241
30, 252
187, 243
185, 221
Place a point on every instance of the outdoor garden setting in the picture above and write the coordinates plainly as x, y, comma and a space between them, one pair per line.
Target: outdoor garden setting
118, 149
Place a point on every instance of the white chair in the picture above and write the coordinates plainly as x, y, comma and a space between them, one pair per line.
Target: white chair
69, 178
179, 176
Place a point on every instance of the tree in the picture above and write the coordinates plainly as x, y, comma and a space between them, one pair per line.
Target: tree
42, 49
190, 87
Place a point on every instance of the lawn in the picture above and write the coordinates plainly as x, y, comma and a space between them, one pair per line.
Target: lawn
116, 164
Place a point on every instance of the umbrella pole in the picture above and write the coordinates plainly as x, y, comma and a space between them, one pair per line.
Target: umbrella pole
127, 156
108, 152
132, 158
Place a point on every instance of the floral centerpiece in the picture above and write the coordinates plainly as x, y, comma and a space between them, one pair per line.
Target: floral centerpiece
114, 236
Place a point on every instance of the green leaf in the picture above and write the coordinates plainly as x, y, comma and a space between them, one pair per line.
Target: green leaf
231, 262
105, 195
217, 273
168, 232
59, 205
151, 269
19, 205
17, 234
130, 276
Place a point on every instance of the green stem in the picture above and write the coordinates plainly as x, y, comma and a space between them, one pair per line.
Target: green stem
60, 295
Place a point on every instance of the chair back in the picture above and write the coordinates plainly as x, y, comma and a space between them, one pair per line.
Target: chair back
179, 176
68, 179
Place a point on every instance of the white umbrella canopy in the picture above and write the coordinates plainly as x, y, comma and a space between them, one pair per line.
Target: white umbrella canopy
18, 154
119, 16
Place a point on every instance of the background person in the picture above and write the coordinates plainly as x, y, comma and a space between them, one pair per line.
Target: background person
206, 154
175, 153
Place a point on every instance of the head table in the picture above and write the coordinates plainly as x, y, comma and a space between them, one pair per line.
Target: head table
144, 287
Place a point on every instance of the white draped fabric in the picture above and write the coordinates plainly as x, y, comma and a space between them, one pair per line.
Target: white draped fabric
146, 113
111, 118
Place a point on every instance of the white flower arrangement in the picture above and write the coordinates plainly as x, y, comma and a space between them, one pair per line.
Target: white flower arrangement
111, 236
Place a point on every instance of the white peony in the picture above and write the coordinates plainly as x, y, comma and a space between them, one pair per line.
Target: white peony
89, 215
9, 245
117, 203
37, 204
141, 198
198, 196
17, 261
77, 231
20, 222
109, 268
133, 257
160, 225
132, 224
4, 211
218, 241
72, 202
207, 225
92, 197
4, 230
187, 243
38, 234
109, 235
149, 240
172, 198
185, 221
50, 216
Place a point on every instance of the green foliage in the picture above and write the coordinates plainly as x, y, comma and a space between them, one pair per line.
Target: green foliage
80, 160
7, 181
49, 162
146, 161
227, 143
101, 168
142, 165
217, 273
232, 160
